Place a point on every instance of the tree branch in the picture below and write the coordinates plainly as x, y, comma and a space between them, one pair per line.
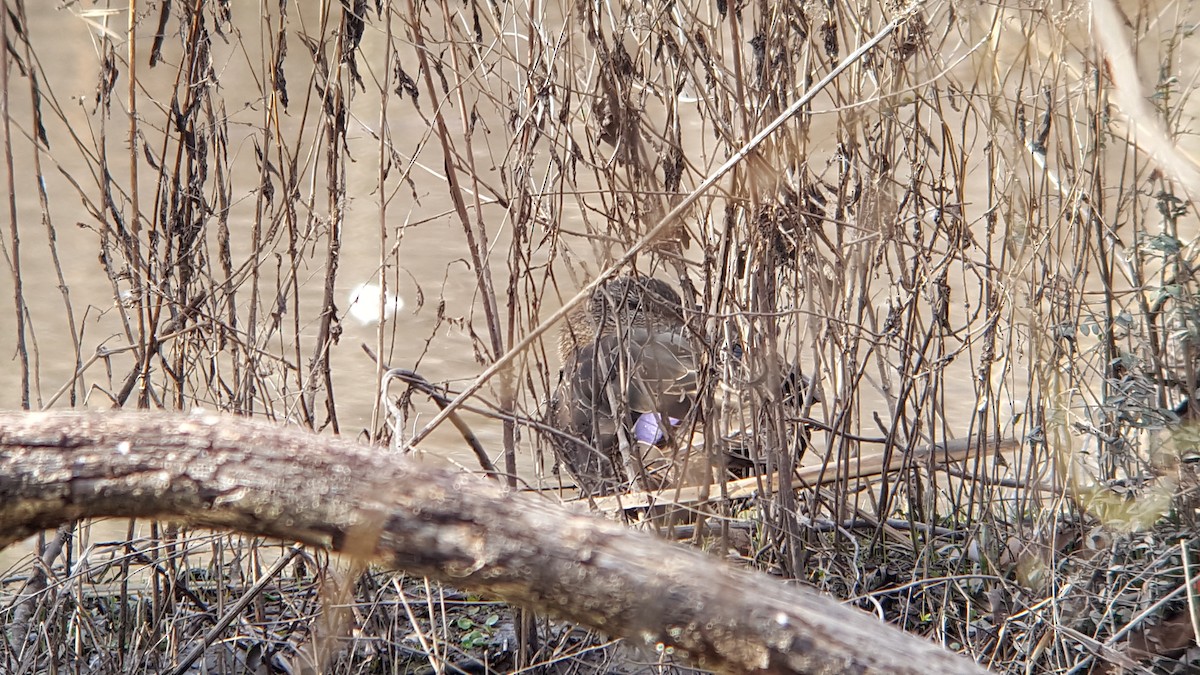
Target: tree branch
222, 472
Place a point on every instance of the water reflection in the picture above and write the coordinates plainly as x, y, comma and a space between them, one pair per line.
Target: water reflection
369, 304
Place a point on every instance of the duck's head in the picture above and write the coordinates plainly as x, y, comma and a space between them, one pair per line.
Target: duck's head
618, 306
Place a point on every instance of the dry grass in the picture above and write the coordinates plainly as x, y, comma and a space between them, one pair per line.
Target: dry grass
983, 228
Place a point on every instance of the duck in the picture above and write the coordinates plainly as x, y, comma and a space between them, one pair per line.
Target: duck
630, 380
742, 390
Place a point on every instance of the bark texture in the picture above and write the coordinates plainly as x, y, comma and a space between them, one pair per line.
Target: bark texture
221, 472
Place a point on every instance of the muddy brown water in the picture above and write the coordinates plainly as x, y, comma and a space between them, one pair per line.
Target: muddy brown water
432, 254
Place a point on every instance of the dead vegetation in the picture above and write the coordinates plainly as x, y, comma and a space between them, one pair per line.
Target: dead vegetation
980, 232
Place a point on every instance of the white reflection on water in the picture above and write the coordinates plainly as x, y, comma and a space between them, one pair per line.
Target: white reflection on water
365, 302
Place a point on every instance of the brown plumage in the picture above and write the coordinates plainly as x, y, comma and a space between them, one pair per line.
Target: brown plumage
627, 354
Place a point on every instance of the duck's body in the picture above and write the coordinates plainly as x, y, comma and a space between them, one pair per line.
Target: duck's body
630, 364
632, 373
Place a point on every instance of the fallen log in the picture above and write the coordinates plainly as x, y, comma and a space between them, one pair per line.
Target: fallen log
221, 472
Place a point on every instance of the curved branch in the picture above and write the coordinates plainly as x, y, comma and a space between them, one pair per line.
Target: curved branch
222, 472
